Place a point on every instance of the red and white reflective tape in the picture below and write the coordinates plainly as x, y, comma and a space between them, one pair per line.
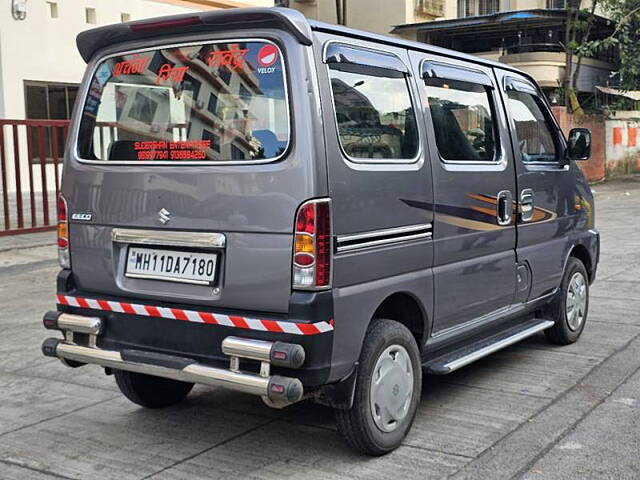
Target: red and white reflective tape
276, 326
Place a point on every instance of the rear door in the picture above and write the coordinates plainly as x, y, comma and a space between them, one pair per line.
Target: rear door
474, 183
546, 187
188, 171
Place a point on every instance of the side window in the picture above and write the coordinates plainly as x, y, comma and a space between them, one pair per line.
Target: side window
535, 139
462, 120
376, 119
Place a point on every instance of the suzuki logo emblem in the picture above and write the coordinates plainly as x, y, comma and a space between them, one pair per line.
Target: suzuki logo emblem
164, 216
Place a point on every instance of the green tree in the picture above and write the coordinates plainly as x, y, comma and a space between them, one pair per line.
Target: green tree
624, 18
578, 30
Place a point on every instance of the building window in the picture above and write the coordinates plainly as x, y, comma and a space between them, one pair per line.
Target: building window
193, 85
125, 17
236, 153
53, 9
213, 138
48, 101
559, 4
462, 120
245, 94
213, 104
90, 15
225, 74
472, 8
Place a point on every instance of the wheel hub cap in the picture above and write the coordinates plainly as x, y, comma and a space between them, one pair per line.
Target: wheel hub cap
391, 388
576, 301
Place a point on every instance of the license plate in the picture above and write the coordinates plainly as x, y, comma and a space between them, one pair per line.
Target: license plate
171, 265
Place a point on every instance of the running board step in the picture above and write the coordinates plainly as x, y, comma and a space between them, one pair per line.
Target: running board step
469, 354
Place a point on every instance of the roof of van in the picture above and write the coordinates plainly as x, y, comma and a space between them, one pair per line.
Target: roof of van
91, 41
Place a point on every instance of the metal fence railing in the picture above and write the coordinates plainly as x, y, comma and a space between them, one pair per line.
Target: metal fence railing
31, 153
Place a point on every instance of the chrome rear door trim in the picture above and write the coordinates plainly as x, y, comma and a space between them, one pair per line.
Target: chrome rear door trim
168, 238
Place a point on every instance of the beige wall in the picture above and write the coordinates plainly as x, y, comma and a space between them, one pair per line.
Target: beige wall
379, 16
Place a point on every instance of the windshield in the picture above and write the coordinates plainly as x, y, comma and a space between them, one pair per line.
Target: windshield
209, 102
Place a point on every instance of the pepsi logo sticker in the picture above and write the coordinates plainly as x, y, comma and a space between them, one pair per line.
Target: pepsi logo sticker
268, 55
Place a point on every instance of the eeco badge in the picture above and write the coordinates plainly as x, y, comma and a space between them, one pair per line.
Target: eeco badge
268, 55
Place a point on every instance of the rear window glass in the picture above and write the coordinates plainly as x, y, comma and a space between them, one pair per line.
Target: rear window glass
223, 102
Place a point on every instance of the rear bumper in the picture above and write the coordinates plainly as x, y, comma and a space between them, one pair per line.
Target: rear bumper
179, 331
276, 390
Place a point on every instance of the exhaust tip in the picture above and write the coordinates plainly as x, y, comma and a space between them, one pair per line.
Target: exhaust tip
49, 347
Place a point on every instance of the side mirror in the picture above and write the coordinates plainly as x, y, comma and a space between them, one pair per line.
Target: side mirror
579, 144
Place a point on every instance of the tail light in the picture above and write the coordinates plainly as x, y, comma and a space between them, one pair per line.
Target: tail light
63, 233
312, 245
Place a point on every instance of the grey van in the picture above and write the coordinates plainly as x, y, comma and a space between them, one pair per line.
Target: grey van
297, 210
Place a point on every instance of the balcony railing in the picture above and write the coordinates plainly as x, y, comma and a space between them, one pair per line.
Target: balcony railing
533, 47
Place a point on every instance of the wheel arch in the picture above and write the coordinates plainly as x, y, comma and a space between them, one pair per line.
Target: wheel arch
407, 309
581, 252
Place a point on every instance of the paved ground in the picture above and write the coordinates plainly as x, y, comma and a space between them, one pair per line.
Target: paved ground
533, 411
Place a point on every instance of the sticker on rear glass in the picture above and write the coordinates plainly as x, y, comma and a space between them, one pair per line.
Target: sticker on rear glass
163, 150
169, 73
135, 66
268, 55
232, 58
103, 74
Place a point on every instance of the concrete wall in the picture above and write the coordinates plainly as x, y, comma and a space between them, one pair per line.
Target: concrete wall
594, 168
616, 143
378, 16
622, 146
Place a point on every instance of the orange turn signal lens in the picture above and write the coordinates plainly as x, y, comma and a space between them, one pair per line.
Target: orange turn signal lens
304, 243
63, 235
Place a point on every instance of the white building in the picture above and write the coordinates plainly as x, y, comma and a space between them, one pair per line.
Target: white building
40, 67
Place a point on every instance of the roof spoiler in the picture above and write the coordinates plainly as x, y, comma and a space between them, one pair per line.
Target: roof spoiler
91, 41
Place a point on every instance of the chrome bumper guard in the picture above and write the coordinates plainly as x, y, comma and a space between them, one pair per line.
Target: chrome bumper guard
275, 390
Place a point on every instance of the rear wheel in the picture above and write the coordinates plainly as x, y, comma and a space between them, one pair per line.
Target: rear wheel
149, 391
387, 391
569, 310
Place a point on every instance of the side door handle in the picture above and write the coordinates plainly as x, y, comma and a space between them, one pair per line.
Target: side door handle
504, 207
526, 205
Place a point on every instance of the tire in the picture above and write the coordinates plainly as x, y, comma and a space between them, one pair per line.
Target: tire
569, 322
149, 391
364, 425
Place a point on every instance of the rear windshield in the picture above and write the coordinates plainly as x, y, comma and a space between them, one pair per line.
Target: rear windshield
222, 102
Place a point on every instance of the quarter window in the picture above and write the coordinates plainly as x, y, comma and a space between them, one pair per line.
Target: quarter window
462, 120
535, 140
375, 116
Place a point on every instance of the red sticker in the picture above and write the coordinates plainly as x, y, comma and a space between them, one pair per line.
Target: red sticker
232, 58
268, 55
173, 74
135, 65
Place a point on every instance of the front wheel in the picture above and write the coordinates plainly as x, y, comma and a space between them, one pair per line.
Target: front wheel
569, 310
388, 387
149, 391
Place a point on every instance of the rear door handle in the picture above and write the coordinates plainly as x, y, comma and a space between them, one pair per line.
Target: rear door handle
504, 207
526, 205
